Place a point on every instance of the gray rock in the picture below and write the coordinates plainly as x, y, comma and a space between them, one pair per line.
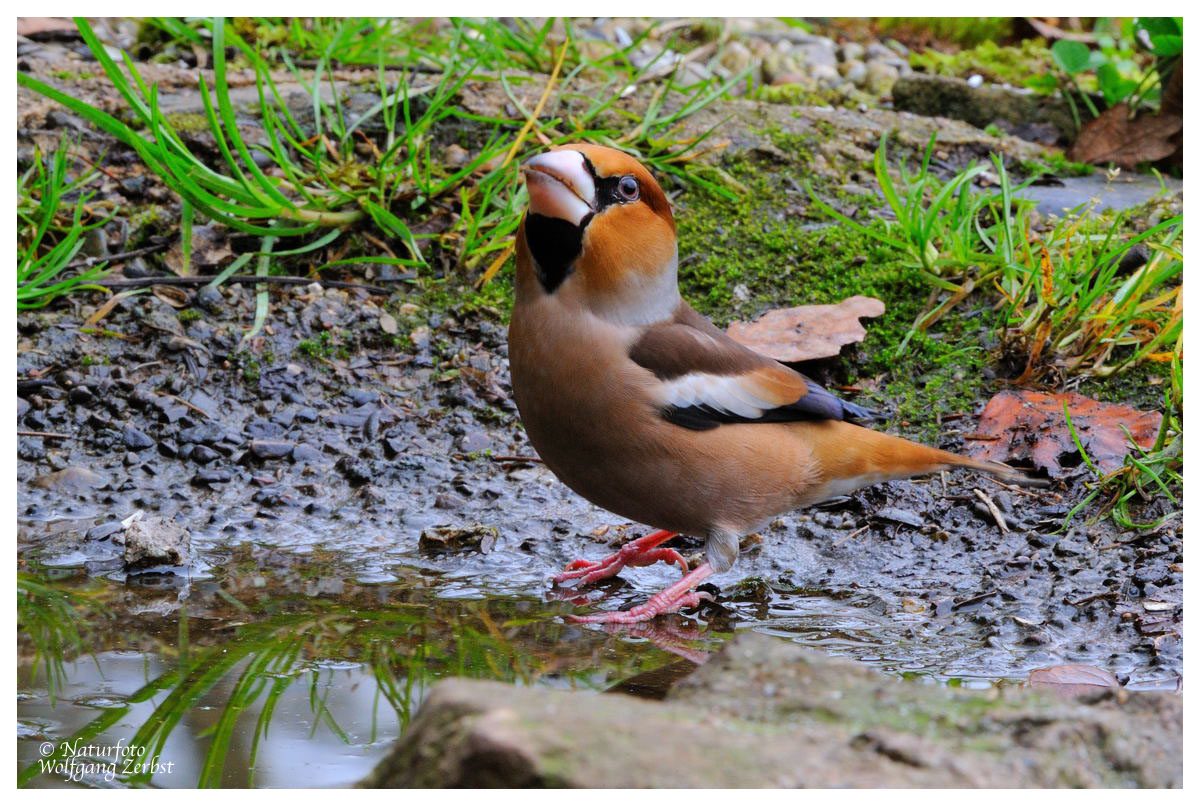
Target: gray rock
826, 75
305, 453
270, 449
764, 712
820, 52
70, 479
853, 51
156, 541
881, 76
136, 440
954, 98
855, 71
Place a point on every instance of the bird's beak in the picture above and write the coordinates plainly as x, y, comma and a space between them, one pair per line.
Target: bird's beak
560, 186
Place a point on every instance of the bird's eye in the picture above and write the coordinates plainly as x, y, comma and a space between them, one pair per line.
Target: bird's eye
628, 188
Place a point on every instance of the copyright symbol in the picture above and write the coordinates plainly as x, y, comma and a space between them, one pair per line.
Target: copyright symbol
46, 748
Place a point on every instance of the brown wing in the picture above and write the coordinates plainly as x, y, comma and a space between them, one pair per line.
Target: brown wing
708, 379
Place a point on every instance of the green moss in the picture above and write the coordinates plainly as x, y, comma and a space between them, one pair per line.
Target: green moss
320, 347
1056, 164
740, 259
1006, 64
187, 122
189, 315
71, 75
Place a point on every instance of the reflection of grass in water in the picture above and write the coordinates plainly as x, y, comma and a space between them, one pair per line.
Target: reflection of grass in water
405, 647
51, 618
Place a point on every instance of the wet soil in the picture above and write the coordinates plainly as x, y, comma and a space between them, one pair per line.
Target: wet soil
359, 466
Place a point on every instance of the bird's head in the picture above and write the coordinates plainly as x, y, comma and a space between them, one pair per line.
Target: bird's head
600, 230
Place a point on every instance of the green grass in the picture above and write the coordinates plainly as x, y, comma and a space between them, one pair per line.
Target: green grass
383, 169
53, 219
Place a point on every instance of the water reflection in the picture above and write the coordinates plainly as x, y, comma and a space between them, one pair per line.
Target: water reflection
251, 684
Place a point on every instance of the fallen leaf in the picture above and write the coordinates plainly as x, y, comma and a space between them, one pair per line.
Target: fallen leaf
1073, 679
1023, 426
172, 295
807, 331
210, 247
1113, 137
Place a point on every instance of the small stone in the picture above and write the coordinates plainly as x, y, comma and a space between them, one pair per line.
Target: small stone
156, 541
213, 475
202, 455
855, 71
135, 439
387, 323
74, 479
881, 77
826, 75
899, 515
270, 449
305, 453
447, 539
853, 51
104, 530
362, 396
474, 442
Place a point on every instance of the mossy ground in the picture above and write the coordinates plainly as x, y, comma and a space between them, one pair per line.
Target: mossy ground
740, 259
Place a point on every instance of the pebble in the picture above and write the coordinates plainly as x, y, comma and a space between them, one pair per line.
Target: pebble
270, 449
855, 71
135, 439
202, 455
213, 475
72, 478
881, 77
474, 442
305, 453
853, 51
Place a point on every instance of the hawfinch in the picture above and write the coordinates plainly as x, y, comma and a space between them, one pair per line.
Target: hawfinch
643, 406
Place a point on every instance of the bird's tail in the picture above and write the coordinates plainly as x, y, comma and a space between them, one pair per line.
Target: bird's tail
853, 456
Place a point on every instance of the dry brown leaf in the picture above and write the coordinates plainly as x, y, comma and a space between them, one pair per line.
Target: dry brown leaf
1073, 679
808, 331
210, 247
1113, 137
1022, 426
173, 296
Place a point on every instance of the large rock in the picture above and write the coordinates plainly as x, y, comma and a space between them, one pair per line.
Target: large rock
766, 713
1021, 112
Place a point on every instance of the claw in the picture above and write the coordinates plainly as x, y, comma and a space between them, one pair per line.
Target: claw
636, 553
676, 597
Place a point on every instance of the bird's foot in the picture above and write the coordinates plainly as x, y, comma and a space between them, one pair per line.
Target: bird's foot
676, 597
643, 551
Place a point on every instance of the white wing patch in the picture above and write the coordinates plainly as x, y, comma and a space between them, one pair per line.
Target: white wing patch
723, 393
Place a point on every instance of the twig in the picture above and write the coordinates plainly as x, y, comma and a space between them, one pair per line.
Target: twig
852, 535
137, 282
991, 505
44, 434
191, 406
1014, 488
88, 262
1094, 597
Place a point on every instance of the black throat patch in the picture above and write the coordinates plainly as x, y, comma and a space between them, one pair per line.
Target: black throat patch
554, 244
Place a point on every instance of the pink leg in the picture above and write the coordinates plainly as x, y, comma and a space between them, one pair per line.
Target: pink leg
643, 551
677, 596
